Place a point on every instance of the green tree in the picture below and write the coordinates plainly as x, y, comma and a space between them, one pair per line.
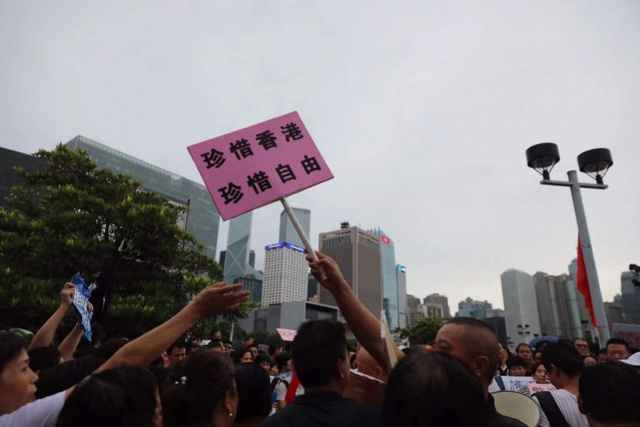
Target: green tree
424, 332
70, 216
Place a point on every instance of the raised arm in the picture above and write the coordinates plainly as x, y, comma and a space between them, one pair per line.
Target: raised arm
213, 300
364, 325
68, 346
44, 336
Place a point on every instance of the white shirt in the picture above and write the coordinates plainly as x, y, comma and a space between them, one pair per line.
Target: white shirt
39, 413
568, 405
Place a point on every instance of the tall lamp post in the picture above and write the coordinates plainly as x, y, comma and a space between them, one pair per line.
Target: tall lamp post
595, 163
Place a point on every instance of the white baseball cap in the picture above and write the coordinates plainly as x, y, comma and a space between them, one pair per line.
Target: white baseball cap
633, 360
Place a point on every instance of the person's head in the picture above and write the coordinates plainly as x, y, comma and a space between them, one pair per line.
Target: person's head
434, 389
44, 358
617, 349
503, 354
582, 346
247, 356
609, 395
206, 396
216, 336
249, 342
368, 365
275, 349
319, 354
524, 351
177, 352
590, 361
17, 380
473, 342
517, 367
283, 362
602, 356
264, 361
254, 351
537, 358
539, 373
126, 396
254, 392
563, 363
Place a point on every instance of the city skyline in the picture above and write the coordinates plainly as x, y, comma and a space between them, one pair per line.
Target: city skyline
423, 136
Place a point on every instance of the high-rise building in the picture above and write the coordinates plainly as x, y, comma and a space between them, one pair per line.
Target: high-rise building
415, 311
473, 308
439, 299
520, 306
391, 292
200, 217
287, 232
358, 255
401, 278
9, 177
433, 310
313, 286
285, 274
252, 258
253, 285
558, 306
223, 256
630, 286
236, 263
615, 311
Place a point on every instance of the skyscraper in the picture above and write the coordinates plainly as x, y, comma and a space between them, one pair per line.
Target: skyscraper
285, 274
391, 294
415, 311
473, 308
630, 285
288, 232
236, 263
520, 306
401, 278
557, 305
439, 299
358, 255
200, 217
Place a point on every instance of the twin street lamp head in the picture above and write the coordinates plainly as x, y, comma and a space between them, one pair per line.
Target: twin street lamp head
543, 157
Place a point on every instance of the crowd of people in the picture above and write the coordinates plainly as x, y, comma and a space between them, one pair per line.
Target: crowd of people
158, 379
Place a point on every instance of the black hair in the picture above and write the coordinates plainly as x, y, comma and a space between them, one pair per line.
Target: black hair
181, 343
520, 345
563, 356
109, 347
42, 358
254, 392
316, 350
273, 347
609, 393
10, 347
428, 389
261, 358
618, 341
282, 359
124, 396
517, 361
208, 375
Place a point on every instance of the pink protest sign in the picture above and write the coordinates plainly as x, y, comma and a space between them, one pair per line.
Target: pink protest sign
257, 165
287, 335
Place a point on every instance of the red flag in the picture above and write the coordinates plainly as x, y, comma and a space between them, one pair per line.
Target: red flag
293, 388
582, 283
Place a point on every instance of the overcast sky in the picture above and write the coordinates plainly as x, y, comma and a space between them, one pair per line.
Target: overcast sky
422, 109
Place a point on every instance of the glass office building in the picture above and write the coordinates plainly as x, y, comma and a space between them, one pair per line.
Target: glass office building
390, 299
236, 260
200, 218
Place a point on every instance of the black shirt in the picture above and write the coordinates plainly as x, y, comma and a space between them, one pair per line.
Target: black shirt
499, 420
324, 409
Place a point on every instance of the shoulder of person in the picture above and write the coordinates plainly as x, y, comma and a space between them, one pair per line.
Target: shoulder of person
39, 413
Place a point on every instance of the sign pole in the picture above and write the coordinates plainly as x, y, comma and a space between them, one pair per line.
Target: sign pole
298, 228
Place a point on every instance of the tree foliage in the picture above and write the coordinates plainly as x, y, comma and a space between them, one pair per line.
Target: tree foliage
423, 332
70, 216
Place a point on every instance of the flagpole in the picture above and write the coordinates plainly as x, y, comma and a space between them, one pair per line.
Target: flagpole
589, 260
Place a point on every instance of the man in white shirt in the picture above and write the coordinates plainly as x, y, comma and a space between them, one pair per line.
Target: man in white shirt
559, 407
